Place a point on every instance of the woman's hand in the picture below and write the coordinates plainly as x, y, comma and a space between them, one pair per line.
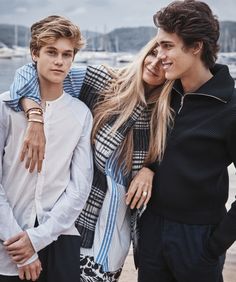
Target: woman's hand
33, 148
140, 189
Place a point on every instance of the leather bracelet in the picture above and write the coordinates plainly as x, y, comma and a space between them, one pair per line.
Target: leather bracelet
40, 110
35, 120
34, 112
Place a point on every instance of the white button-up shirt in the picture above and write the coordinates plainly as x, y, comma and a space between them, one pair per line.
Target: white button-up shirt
55, 196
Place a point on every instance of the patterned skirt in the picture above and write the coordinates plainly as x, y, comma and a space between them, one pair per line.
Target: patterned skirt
91, 271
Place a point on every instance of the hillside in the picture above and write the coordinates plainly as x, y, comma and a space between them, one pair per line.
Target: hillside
121, 39
118, 40
14, 35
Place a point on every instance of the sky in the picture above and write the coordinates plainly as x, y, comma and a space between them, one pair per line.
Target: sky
98, 15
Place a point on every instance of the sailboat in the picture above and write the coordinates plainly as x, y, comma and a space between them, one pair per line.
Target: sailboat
5, 52
18, 51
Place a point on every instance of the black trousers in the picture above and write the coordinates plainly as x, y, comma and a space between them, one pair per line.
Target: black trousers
11, 279
175, 252
60, 261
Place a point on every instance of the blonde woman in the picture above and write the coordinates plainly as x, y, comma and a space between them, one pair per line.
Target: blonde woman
131, 110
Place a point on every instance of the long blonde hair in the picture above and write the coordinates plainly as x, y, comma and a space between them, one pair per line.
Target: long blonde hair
125, 91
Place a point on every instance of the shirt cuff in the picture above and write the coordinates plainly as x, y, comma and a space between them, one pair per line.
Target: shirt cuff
39, 238
152, 166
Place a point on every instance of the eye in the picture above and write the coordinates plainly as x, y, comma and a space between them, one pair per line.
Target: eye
167, 46
68, 55
154, 52
51, 52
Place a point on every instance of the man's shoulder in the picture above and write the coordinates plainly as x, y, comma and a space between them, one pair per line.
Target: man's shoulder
5, 96
4, 109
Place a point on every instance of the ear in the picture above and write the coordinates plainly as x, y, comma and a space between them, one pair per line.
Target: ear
34, 56
197, 47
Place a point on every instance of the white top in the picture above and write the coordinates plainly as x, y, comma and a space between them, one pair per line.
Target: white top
112, 233
57, 194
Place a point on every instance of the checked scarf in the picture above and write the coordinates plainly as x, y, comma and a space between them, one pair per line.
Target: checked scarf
96, 79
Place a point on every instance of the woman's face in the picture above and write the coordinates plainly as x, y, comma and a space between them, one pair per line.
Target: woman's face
153, 72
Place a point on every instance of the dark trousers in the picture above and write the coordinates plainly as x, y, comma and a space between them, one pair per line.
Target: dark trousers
175, 252
60, 261
10, 279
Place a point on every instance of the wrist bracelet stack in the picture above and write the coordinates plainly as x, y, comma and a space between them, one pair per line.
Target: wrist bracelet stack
35, 111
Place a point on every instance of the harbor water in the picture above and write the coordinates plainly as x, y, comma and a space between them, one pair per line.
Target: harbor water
9, 66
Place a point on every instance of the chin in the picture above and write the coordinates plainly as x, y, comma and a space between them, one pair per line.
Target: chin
170, 76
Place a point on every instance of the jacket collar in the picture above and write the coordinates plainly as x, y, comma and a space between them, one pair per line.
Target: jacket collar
220, 86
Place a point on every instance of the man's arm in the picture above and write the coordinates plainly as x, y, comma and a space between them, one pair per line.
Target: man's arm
26, 84
225, 233
8, 224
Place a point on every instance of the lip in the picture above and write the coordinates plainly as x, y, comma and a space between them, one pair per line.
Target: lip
56, 70
166, 65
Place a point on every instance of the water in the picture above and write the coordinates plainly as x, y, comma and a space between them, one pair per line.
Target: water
9, 66
7, 71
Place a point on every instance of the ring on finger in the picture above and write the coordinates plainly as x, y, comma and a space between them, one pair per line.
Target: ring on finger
145, 193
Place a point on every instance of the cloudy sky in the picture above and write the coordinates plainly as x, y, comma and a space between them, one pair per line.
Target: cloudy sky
98, 15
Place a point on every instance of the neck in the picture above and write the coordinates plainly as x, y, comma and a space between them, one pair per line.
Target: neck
200, 76
50, 92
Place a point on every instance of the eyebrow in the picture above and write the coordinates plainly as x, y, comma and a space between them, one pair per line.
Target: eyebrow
165, 41
55, 49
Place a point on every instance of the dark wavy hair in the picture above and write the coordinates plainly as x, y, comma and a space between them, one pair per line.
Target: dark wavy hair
193, 21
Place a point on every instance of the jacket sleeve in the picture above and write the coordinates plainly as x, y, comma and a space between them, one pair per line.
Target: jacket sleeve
26, 85
152, 166
68, 207
225, 234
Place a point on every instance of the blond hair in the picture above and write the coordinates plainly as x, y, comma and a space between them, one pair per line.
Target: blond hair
51, 28
124, 92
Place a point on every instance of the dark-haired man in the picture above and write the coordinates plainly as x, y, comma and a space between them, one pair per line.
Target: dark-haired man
186, 229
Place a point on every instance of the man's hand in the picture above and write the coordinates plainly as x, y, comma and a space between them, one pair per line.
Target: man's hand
30, 271
140, 189
19, 248
33, 148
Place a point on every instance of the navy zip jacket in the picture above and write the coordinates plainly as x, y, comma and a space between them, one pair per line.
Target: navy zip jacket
191, 182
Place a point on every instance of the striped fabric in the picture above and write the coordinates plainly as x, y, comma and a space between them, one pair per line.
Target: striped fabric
25, 84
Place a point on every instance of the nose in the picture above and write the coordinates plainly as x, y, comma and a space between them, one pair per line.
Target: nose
58, 60
155, 62
161, 54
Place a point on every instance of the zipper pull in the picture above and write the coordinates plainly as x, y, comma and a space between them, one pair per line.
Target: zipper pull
181, 104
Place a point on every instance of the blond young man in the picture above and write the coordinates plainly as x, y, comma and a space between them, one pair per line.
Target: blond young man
38, 210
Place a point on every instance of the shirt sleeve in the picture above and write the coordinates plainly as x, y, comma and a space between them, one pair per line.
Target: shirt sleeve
70, 204
8, 224
26, 84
